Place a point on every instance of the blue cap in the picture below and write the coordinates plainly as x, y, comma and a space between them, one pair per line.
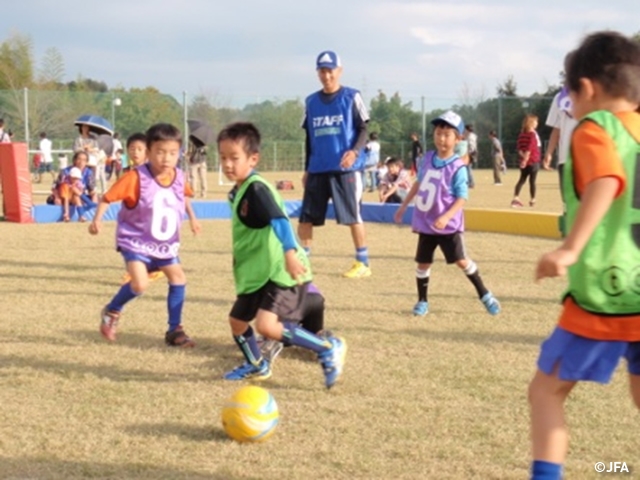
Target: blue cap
452, 119
328, 59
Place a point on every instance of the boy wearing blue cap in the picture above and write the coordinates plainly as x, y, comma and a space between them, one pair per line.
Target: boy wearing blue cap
440, 192
335, 124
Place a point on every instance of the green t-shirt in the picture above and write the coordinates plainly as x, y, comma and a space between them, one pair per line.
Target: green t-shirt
606, 277
258, 255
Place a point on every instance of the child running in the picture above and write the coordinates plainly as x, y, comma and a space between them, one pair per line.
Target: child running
600, 319
154, 200
271, 270
440, 191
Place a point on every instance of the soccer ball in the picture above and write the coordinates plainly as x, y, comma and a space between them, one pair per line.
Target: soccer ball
250, 414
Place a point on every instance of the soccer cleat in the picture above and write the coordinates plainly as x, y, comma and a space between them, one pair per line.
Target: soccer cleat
248, 370
358, 270
178, 338
491, 303
109, 324
516, 203
270, 349
421, 308
332, 360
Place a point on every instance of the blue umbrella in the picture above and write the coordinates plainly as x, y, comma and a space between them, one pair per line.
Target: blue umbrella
96, 123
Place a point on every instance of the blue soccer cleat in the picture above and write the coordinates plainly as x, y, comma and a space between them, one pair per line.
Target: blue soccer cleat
247, 370
332, 361
421, 308
491, 303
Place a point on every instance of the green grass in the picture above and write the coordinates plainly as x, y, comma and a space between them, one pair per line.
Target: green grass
440, 397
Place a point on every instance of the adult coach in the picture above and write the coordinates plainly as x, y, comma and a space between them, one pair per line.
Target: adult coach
335, 124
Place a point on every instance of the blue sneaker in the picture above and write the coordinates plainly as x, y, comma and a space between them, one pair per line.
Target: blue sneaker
332, 361
248, 370
491, 303
421, 308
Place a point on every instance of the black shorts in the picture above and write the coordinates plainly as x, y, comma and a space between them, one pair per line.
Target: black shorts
344, 188
286, 302
452, 247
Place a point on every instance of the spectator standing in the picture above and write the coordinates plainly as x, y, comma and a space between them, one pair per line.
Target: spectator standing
335, 125
372, 150
46, 156
472, 146
416, 152
4, 136
528, 158
198, 168
497, 157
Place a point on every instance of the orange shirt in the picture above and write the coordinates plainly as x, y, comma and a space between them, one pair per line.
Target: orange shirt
127, 188
595, 156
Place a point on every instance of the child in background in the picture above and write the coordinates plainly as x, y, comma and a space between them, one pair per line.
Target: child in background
396, 183
71, 191
600, 319
154, 200
382, 169
528, 158
136, 151
372, 150
270, 268
440, 191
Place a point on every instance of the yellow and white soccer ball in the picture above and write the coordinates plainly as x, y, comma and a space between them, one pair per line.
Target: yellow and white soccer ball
250, 414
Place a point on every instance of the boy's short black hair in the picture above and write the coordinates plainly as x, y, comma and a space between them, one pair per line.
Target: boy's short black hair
137, 137
609, 58
245, 132
163, 132
373, 136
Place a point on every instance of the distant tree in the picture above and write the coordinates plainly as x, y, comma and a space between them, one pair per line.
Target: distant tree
16, 62
509, 88
394, 120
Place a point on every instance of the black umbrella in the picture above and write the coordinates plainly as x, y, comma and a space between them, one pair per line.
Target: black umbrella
200, 133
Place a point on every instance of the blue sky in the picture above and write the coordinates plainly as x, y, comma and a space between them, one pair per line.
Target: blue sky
234, 52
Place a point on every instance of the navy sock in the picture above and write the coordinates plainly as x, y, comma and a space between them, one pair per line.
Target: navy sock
294, 334
541, 470
124, 295
362, 255
175, 301
249, 346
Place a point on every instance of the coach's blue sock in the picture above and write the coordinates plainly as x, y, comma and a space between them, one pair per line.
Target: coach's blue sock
124, 295
541, 470
175, 301
294, 334
362, 255
249, 346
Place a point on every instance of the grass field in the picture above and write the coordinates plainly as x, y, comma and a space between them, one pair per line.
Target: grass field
440, 397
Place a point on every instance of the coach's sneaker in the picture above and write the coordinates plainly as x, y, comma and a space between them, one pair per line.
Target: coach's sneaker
421, 308
491, 303
332, 361
178, 338
247, 370
109, 323
270, 349
358, 270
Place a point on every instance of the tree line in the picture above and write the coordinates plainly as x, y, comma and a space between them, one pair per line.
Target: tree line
36, 93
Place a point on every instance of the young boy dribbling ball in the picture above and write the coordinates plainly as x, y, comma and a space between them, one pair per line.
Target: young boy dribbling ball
600, 320
154, 200
440, 191
271, 270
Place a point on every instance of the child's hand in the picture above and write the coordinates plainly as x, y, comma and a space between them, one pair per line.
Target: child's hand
294, 266
441, 222
196, 228
397, 217
555, 263
94, 227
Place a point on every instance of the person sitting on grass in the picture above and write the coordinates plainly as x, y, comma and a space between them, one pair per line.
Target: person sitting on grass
396, 183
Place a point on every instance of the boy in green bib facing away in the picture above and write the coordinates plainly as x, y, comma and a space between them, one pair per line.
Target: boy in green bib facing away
271, 270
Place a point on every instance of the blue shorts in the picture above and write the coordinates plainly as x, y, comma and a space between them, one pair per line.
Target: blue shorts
581, 358
152, 264
343, 188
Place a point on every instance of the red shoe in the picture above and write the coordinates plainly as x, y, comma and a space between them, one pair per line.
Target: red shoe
109, 324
